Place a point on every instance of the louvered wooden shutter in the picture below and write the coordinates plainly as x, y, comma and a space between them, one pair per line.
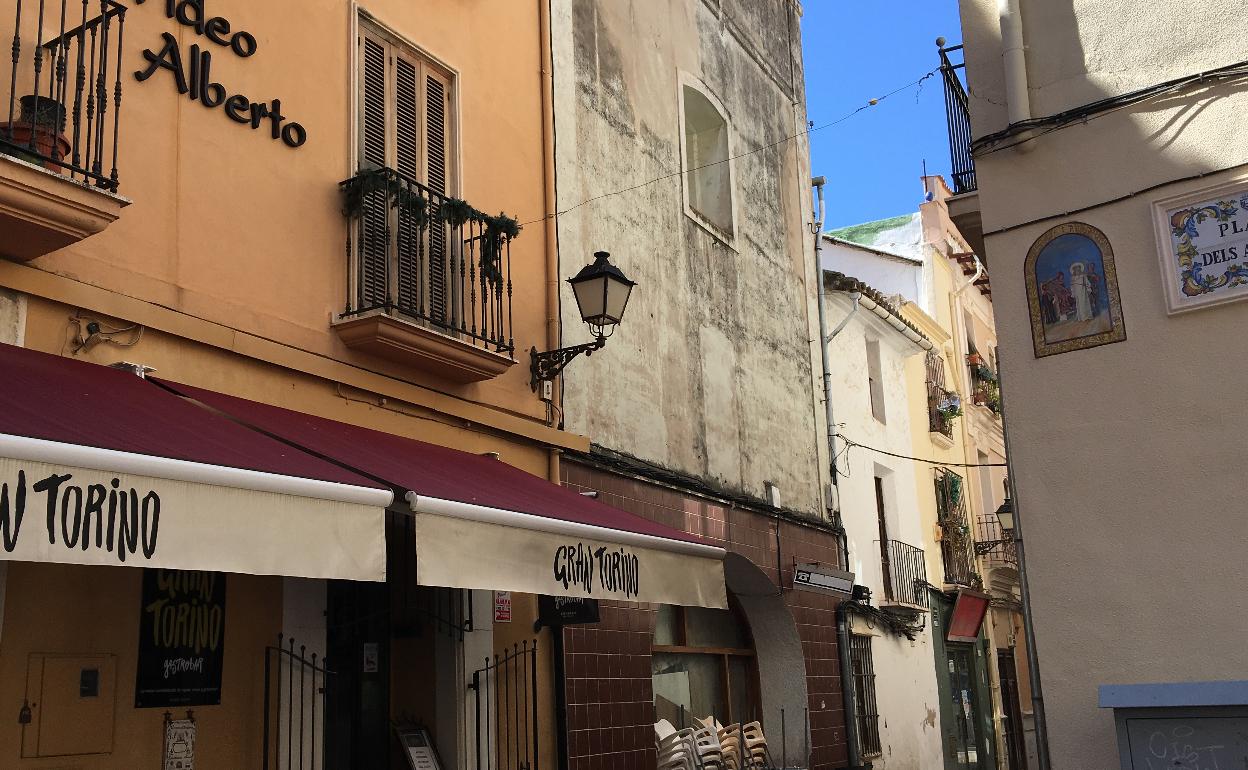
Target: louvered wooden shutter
407, 162
405, 125
443, 268
374, 233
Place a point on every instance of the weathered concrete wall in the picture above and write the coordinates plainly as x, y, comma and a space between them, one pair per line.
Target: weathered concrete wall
1124, 455
711, 371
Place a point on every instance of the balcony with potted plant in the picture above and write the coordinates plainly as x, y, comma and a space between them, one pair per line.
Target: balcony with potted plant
985, 388
59, 126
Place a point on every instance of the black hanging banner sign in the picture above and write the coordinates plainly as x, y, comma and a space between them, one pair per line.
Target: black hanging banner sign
558, 611
181, 639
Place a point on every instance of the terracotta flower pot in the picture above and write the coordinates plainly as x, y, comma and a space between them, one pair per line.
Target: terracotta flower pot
40, 127
974, 359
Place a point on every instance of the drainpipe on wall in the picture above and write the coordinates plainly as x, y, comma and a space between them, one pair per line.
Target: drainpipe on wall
546, 72
1014, 58
834, 498
1029, 631
834, 502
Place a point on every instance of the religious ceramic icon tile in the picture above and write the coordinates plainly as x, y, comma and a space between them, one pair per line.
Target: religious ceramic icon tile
1072, 290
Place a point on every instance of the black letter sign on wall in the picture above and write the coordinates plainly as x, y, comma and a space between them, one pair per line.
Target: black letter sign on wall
181, 639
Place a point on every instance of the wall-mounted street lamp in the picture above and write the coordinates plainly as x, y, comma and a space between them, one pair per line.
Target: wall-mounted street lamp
602, 293
1005, 517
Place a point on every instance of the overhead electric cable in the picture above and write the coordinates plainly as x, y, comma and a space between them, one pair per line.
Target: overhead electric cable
851, 443
870, 103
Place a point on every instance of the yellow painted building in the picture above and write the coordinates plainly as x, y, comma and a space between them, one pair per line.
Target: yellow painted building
282, 203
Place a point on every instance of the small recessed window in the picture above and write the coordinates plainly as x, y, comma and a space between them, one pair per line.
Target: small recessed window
875, 380
708, 175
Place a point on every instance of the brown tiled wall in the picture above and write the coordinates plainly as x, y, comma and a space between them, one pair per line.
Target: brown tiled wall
610, 701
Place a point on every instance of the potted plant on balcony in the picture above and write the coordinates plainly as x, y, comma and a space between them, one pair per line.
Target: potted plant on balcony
949, 407
37, 134
974, 358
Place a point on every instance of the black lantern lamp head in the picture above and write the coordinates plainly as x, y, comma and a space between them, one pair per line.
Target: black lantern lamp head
602, 291
1005, 516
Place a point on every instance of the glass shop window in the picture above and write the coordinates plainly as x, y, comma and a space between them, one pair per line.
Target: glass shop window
703, 664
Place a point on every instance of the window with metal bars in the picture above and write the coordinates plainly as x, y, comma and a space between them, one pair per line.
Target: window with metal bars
867, 714
405, 126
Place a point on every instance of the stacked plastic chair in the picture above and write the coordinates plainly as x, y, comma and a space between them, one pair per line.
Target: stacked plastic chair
710, 752
740, 747
677, 749
755, 745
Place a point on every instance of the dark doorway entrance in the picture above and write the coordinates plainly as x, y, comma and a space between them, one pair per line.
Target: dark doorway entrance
357, 697
964, 749
1015, 751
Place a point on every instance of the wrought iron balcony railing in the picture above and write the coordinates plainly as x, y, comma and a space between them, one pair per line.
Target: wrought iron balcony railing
993, 543
434, 260
64, 95
905, 574
957, 112
957, 550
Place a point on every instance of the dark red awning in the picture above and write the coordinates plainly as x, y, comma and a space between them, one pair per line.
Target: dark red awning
74, 402
430, 470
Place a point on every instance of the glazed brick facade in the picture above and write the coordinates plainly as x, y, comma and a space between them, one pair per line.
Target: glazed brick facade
607, 665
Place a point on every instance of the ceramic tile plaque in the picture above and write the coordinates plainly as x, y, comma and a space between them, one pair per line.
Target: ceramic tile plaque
1202, 242
1072, 290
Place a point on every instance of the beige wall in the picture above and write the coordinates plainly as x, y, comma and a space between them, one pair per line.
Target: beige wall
1124, 455
230, 227
231, 257
95, 611
710, 373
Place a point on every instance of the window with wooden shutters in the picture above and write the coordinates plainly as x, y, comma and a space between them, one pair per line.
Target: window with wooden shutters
408, 258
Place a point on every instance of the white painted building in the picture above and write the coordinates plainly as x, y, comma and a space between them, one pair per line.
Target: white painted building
897, 722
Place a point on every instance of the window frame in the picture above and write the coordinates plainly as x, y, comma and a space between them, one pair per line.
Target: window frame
725, 654
875, 381
368, 23
727, 238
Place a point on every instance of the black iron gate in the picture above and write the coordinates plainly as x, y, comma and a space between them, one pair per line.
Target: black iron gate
294, 706
506, 710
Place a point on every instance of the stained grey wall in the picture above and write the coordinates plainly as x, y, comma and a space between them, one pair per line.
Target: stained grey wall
711, 372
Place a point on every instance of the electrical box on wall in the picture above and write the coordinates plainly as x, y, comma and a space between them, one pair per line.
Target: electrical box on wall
71, 700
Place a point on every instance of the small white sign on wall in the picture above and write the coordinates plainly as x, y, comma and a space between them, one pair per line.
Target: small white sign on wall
179, 744
1202, 240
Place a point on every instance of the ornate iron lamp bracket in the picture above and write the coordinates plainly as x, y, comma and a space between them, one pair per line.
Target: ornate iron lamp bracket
548, 364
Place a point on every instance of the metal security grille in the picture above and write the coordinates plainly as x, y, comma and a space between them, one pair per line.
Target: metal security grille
958, 114
956, 546
294, 706
937, 395
506, 710
868, 711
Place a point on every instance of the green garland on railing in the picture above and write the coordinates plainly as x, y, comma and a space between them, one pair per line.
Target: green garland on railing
456, 212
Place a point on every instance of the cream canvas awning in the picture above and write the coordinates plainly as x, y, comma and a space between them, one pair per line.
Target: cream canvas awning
100, 467
483, 524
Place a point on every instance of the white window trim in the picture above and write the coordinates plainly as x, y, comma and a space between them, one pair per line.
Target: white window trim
684, 80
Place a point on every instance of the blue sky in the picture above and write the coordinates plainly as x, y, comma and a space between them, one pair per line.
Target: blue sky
855, 51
